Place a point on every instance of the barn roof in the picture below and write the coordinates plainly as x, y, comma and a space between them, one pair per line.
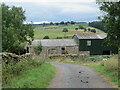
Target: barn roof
91, 36
55, 42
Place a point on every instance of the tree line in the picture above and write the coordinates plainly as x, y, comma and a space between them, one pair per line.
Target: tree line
97, 24
60, 23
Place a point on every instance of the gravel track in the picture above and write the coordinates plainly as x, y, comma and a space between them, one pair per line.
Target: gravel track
76, 76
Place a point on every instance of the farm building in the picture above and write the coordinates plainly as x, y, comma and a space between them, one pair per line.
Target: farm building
94, 44
57, 46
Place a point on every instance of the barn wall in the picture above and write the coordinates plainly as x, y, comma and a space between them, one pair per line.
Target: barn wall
70, 49
97, 47
76, 39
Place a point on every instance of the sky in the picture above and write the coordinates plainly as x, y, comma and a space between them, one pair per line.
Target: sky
57, 10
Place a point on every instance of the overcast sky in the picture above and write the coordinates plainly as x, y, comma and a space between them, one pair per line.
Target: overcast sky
57, 10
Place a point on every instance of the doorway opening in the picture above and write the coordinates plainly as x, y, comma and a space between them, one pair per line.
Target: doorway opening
63, 50
106, 52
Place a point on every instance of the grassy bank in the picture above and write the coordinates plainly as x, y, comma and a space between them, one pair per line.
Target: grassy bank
27, 73
38, 77
108, 68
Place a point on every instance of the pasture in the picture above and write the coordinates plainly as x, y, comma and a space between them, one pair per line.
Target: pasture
54, 31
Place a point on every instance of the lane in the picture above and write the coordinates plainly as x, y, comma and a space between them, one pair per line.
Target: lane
75, 76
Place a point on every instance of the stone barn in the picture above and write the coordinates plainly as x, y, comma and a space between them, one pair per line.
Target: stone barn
57, 47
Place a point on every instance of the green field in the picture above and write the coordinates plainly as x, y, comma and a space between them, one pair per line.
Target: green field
54, 31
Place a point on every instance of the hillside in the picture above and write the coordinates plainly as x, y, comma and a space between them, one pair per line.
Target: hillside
54, 31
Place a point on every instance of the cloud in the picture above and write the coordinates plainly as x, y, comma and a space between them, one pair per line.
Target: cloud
84, 1
79, 10
73, 8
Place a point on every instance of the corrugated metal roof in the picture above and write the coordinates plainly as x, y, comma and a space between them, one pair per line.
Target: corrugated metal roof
55, 42
91, 36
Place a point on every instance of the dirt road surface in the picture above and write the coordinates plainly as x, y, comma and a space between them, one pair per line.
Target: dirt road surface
76, 76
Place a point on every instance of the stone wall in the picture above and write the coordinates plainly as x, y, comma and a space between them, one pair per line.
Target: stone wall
10, 57
46, 51
72, 49
86, 53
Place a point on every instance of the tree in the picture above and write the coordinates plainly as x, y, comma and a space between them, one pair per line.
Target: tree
14, 32
93, 30
56, 23
51, 23
65, 23
65, 30
97, 24
81, 27
76, 29
111, 20
44, 24
72, 22
62, 23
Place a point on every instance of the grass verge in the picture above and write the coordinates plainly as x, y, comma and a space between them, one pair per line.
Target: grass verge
110, 76
37, 77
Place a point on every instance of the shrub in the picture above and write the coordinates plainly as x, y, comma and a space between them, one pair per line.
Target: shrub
38, 49
46, 37
81, 27
59, 38
76, 28
89, 29
65, 30
93, 30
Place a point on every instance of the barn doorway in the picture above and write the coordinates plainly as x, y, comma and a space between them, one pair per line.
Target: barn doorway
27, 50
63, 50
106, 52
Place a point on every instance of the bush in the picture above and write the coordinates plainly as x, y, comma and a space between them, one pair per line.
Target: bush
81, 27
89, 29
46, 37
93, 30
76, 28
38, 49
59, 38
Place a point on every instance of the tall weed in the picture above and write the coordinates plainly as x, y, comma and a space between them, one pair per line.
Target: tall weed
111, 65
